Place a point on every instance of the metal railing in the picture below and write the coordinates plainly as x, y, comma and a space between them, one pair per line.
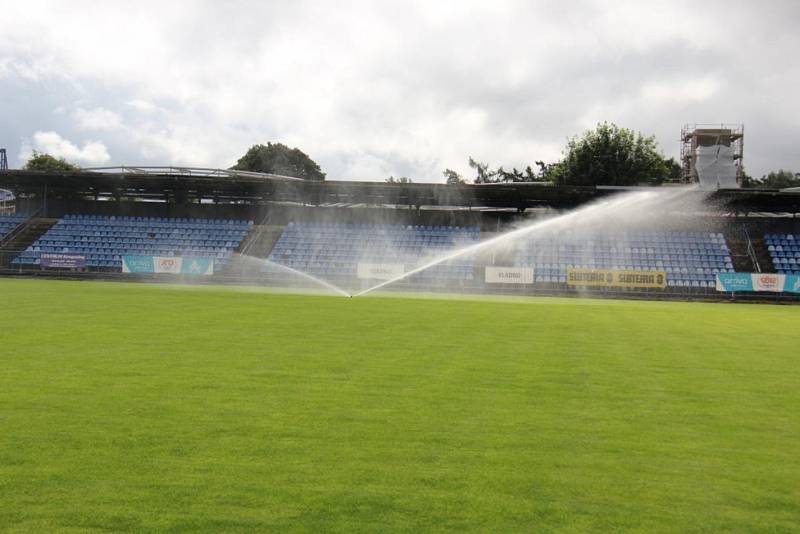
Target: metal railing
21, 227
188, 171
751, 251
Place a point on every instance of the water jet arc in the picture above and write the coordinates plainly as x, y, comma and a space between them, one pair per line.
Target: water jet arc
599, 209
318, 281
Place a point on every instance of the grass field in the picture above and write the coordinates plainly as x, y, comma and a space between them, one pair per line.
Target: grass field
153, 408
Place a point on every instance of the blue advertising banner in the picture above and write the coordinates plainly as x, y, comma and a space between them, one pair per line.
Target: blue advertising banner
138, 264
734, 282
197, 266
792, 283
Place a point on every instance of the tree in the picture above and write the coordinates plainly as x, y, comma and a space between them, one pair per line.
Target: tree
674, 170
277, 158
401, 180
748, 181
610, 155
484, 176
45, 162
452, 177
780, 179
549, 172
487, 176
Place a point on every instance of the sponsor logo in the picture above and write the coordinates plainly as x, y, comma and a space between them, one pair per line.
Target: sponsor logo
767, 281
508, 275
62, 261
612, 278
379, 271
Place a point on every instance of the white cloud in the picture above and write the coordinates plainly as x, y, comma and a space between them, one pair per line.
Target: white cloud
97, 119
142, 106
92, 152
680, 91
412, 87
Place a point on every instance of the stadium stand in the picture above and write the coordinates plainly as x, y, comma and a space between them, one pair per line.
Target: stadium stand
105, 239
337, 249
9, 222
784, 250
690, 259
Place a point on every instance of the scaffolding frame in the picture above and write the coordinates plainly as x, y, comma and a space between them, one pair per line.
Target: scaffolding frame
694, 135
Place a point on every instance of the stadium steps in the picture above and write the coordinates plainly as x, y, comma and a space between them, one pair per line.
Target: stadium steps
264, 240
737, 243
763, 256
258, 243
23, 237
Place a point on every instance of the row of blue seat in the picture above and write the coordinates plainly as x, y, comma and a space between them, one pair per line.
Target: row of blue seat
121, 219
327, 249
103, 240
784, 250
373, 228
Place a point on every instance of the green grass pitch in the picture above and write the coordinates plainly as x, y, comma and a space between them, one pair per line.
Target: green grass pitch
128, 407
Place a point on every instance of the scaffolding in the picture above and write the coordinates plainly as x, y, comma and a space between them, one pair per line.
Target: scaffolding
712, 154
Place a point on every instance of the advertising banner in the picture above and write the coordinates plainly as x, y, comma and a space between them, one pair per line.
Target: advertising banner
768, 282
202, 266
509, 275
138, 264
761, 282
379, 271
168, 265
614, 278
792, 283
734, 282
52, 260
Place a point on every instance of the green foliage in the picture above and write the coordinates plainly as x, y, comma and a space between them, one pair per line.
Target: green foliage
45, 162
486, 176
400, 180
610, 155
748, 181
779, 179
141, 408
452, 177
674, 170
483, 175
277, 158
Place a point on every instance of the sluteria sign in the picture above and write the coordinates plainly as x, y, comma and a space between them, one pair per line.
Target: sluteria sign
167, 264
508, 275
379, 271
760, 282
614, 278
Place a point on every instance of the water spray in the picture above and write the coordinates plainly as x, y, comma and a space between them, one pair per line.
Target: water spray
624, 204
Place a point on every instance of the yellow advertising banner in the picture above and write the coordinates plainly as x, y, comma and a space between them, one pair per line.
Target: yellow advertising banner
613, 278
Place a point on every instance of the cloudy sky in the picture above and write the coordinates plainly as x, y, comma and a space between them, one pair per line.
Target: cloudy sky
377, 88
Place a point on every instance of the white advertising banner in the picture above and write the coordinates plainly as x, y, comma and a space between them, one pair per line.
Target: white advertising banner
509, 275
768, 282
166, 264
380, 271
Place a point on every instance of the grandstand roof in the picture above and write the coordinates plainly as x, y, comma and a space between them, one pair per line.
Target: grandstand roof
182, 184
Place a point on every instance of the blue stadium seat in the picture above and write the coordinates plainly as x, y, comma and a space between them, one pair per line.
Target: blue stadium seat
329, 249
691, 259
104, 239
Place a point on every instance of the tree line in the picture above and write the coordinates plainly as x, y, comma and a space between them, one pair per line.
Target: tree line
606, 155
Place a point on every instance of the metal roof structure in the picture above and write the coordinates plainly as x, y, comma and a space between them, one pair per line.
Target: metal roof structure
202, 185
